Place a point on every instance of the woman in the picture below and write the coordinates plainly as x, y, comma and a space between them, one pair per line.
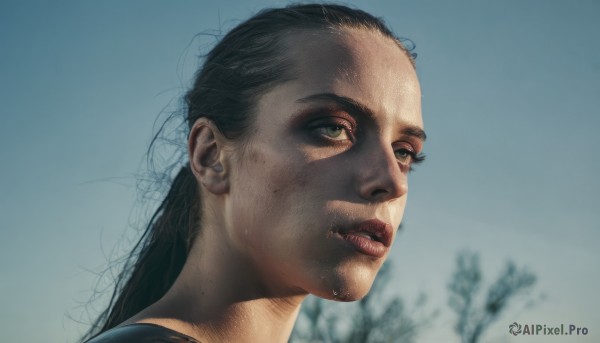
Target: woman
303, 125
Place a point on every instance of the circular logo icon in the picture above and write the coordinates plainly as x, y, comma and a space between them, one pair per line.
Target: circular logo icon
514, 328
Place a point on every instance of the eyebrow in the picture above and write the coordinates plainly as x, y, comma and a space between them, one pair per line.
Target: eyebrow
354, 106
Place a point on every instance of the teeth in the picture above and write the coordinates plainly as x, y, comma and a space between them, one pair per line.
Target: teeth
362, 234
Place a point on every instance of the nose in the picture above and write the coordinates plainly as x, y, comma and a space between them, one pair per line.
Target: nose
380, 176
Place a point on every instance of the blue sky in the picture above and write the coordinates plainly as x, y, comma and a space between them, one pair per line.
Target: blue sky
510, 98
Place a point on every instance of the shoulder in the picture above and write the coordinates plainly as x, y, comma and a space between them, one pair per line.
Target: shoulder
142, 333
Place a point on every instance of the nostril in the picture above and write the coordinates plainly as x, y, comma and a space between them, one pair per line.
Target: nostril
378, 193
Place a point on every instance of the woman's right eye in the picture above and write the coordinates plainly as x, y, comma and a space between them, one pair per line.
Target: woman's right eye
334, 131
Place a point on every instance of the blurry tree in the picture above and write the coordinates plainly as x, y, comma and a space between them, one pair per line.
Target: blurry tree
378, 317
475, 317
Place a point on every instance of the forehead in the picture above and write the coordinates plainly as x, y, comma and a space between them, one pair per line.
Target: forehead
357, 63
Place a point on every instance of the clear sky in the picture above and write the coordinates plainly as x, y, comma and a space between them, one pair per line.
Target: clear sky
511, 98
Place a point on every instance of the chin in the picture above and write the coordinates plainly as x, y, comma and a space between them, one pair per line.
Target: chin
346, 283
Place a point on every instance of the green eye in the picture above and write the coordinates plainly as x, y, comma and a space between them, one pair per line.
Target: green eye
333, 131
336, 132
404, 156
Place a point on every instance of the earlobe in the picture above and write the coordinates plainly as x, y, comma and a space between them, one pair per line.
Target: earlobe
206, 154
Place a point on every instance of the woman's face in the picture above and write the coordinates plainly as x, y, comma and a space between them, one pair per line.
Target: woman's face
319, 189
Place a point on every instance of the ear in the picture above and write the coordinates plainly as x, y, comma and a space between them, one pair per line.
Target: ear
207, 156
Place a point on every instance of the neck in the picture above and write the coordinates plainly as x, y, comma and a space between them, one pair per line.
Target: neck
220, 297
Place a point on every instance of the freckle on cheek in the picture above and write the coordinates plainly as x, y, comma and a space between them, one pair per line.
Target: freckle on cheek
277, 172
256, 157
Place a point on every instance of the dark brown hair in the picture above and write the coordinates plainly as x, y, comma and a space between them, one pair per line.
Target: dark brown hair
248, 60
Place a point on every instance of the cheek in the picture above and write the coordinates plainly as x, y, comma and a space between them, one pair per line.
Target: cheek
267, 194
397, 211
273, 176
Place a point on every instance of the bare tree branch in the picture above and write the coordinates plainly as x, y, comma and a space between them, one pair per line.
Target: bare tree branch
474, 319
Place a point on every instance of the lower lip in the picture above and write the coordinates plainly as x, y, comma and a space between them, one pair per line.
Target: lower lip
365, 245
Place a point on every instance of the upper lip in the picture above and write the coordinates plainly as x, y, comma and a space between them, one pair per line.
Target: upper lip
378, 230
